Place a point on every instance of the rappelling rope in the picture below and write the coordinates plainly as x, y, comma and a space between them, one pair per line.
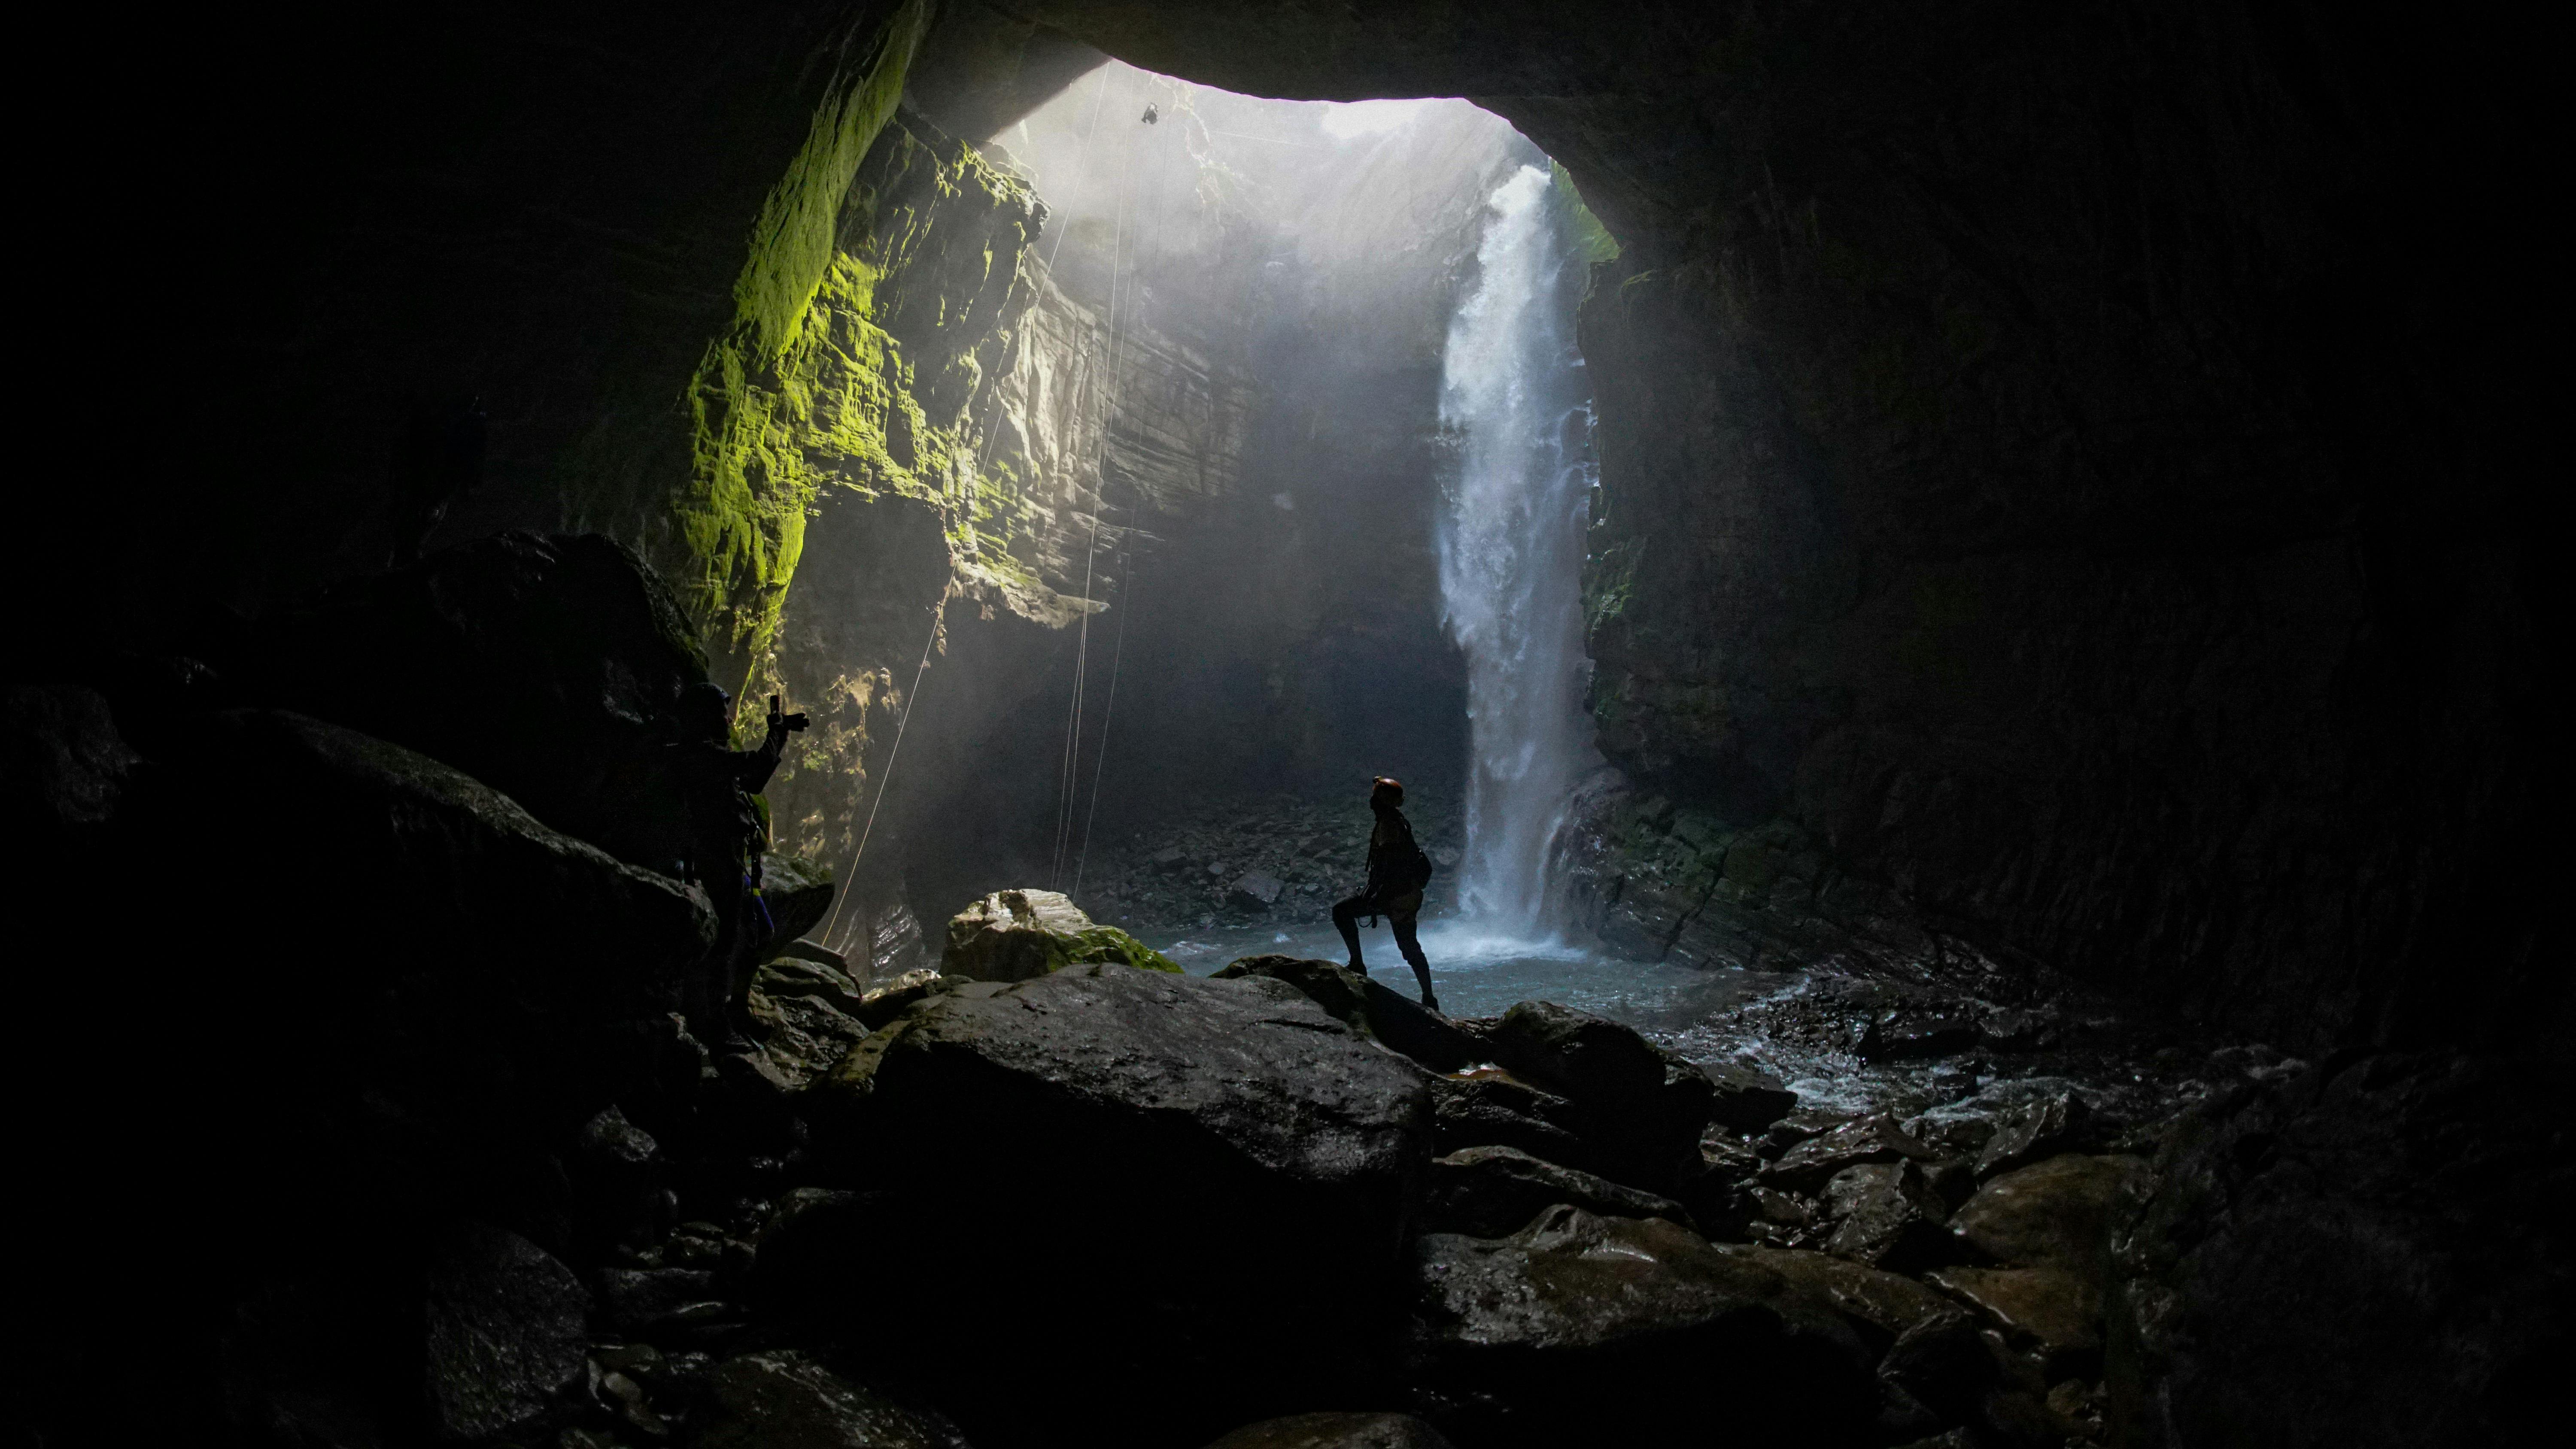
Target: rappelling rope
893, 752
1127, 577
1069, 789
983, 459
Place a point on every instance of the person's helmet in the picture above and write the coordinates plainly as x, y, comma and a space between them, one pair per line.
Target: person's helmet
705, 711
1387, 787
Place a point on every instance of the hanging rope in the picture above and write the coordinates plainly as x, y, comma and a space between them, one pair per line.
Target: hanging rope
1069, 787
885, 778
1127, 572
983, 459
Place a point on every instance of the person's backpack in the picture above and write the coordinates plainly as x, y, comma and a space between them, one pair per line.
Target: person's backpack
1411, 869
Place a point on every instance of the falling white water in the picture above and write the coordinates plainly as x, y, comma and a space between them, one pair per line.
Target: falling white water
1511, 557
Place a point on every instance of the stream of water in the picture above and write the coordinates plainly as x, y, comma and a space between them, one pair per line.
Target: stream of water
1511, 558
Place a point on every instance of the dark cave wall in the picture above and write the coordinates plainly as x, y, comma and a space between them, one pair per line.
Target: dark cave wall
2055, 458
552, 207
2075, 461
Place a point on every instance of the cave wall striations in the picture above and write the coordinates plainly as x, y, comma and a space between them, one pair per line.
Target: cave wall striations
922, 471
2053, 466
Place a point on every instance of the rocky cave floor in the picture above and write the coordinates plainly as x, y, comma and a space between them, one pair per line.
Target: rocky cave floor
514, 1195
1937, 1153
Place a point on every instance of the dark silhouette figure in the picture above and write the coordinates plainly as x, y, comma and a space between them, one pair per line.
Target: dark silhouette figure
1151, 115
438, 460
1397, 872
728, 834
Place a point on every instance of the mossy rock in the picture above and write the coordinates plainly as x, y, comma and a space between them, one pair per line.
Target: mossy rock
1019, 935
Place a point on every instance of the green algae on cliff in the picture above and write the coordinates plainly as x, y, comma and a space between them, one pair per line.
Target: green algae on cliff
875, 386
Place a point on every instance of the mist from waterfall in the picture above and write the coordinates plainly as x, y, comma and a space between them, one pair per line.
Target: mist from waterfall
1511, 555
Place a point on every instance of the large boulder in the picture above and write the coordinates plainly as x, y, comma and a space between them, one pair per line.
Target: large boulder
508, 1331
1368, 1007
1643, 1107
372, 995
1597, 1330
798, 894
812, 1012
1488, 1106
2373, 1252
1205, 1184
2050, 1214
545, 666
1490, 1192
1018, 935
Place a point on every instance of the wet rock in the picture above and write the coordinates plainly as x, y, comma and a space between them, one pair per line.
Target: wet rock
784, 1399
2016, 1031
2375, 1252
1254, 891
1490, 1192
1585, 1329
884, 1003
2076, 1409
1018, 935
811, 1014
1785, 1208
1336, 1431
1941, 1362
2050, 1214
1745, 1099
1719, 1193
1920, 1032
1367, 1007
1883, 1306
644, 1301
1812, 1163
1887, 1216
2050, 1311
798, 894
611, 1142
1204, 1182
507, 1332
2026, 1134
803, 950
64, 768
1799, 1125
1642, 1106
1491, 1106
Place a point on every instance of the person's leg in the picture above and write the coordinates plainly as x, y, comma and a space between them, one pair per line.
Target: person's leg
1412, 949
1346, 919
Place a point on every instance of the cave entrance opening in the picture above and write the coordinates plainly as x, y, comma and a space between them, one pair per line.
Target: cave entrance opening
1252, 518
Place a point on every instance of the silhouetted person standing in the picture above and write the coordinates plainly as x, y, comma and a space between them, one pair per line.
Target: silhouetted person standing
1397, 872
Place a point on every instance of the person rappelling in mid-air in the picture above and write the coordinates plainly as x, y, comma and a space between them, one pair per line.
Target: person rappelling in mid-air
1397, 872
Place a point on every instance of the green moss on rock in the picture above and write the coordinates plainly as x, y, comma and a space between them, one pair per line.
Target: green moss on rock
1023, 934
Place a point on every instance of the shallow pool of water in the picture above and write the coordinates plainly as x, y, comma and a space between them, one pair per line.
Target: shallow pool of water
1477, 973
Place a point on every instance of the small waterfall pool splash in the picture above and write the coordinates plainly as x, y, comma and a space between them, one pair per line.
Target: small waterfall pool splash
1511, 556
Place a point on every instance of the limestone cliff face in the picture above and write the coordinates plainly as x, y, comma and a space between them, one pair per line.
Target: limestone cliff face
923, 473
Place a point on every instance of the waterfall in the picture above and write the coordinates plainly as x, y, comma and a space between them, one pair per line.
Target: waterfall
1511, 555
